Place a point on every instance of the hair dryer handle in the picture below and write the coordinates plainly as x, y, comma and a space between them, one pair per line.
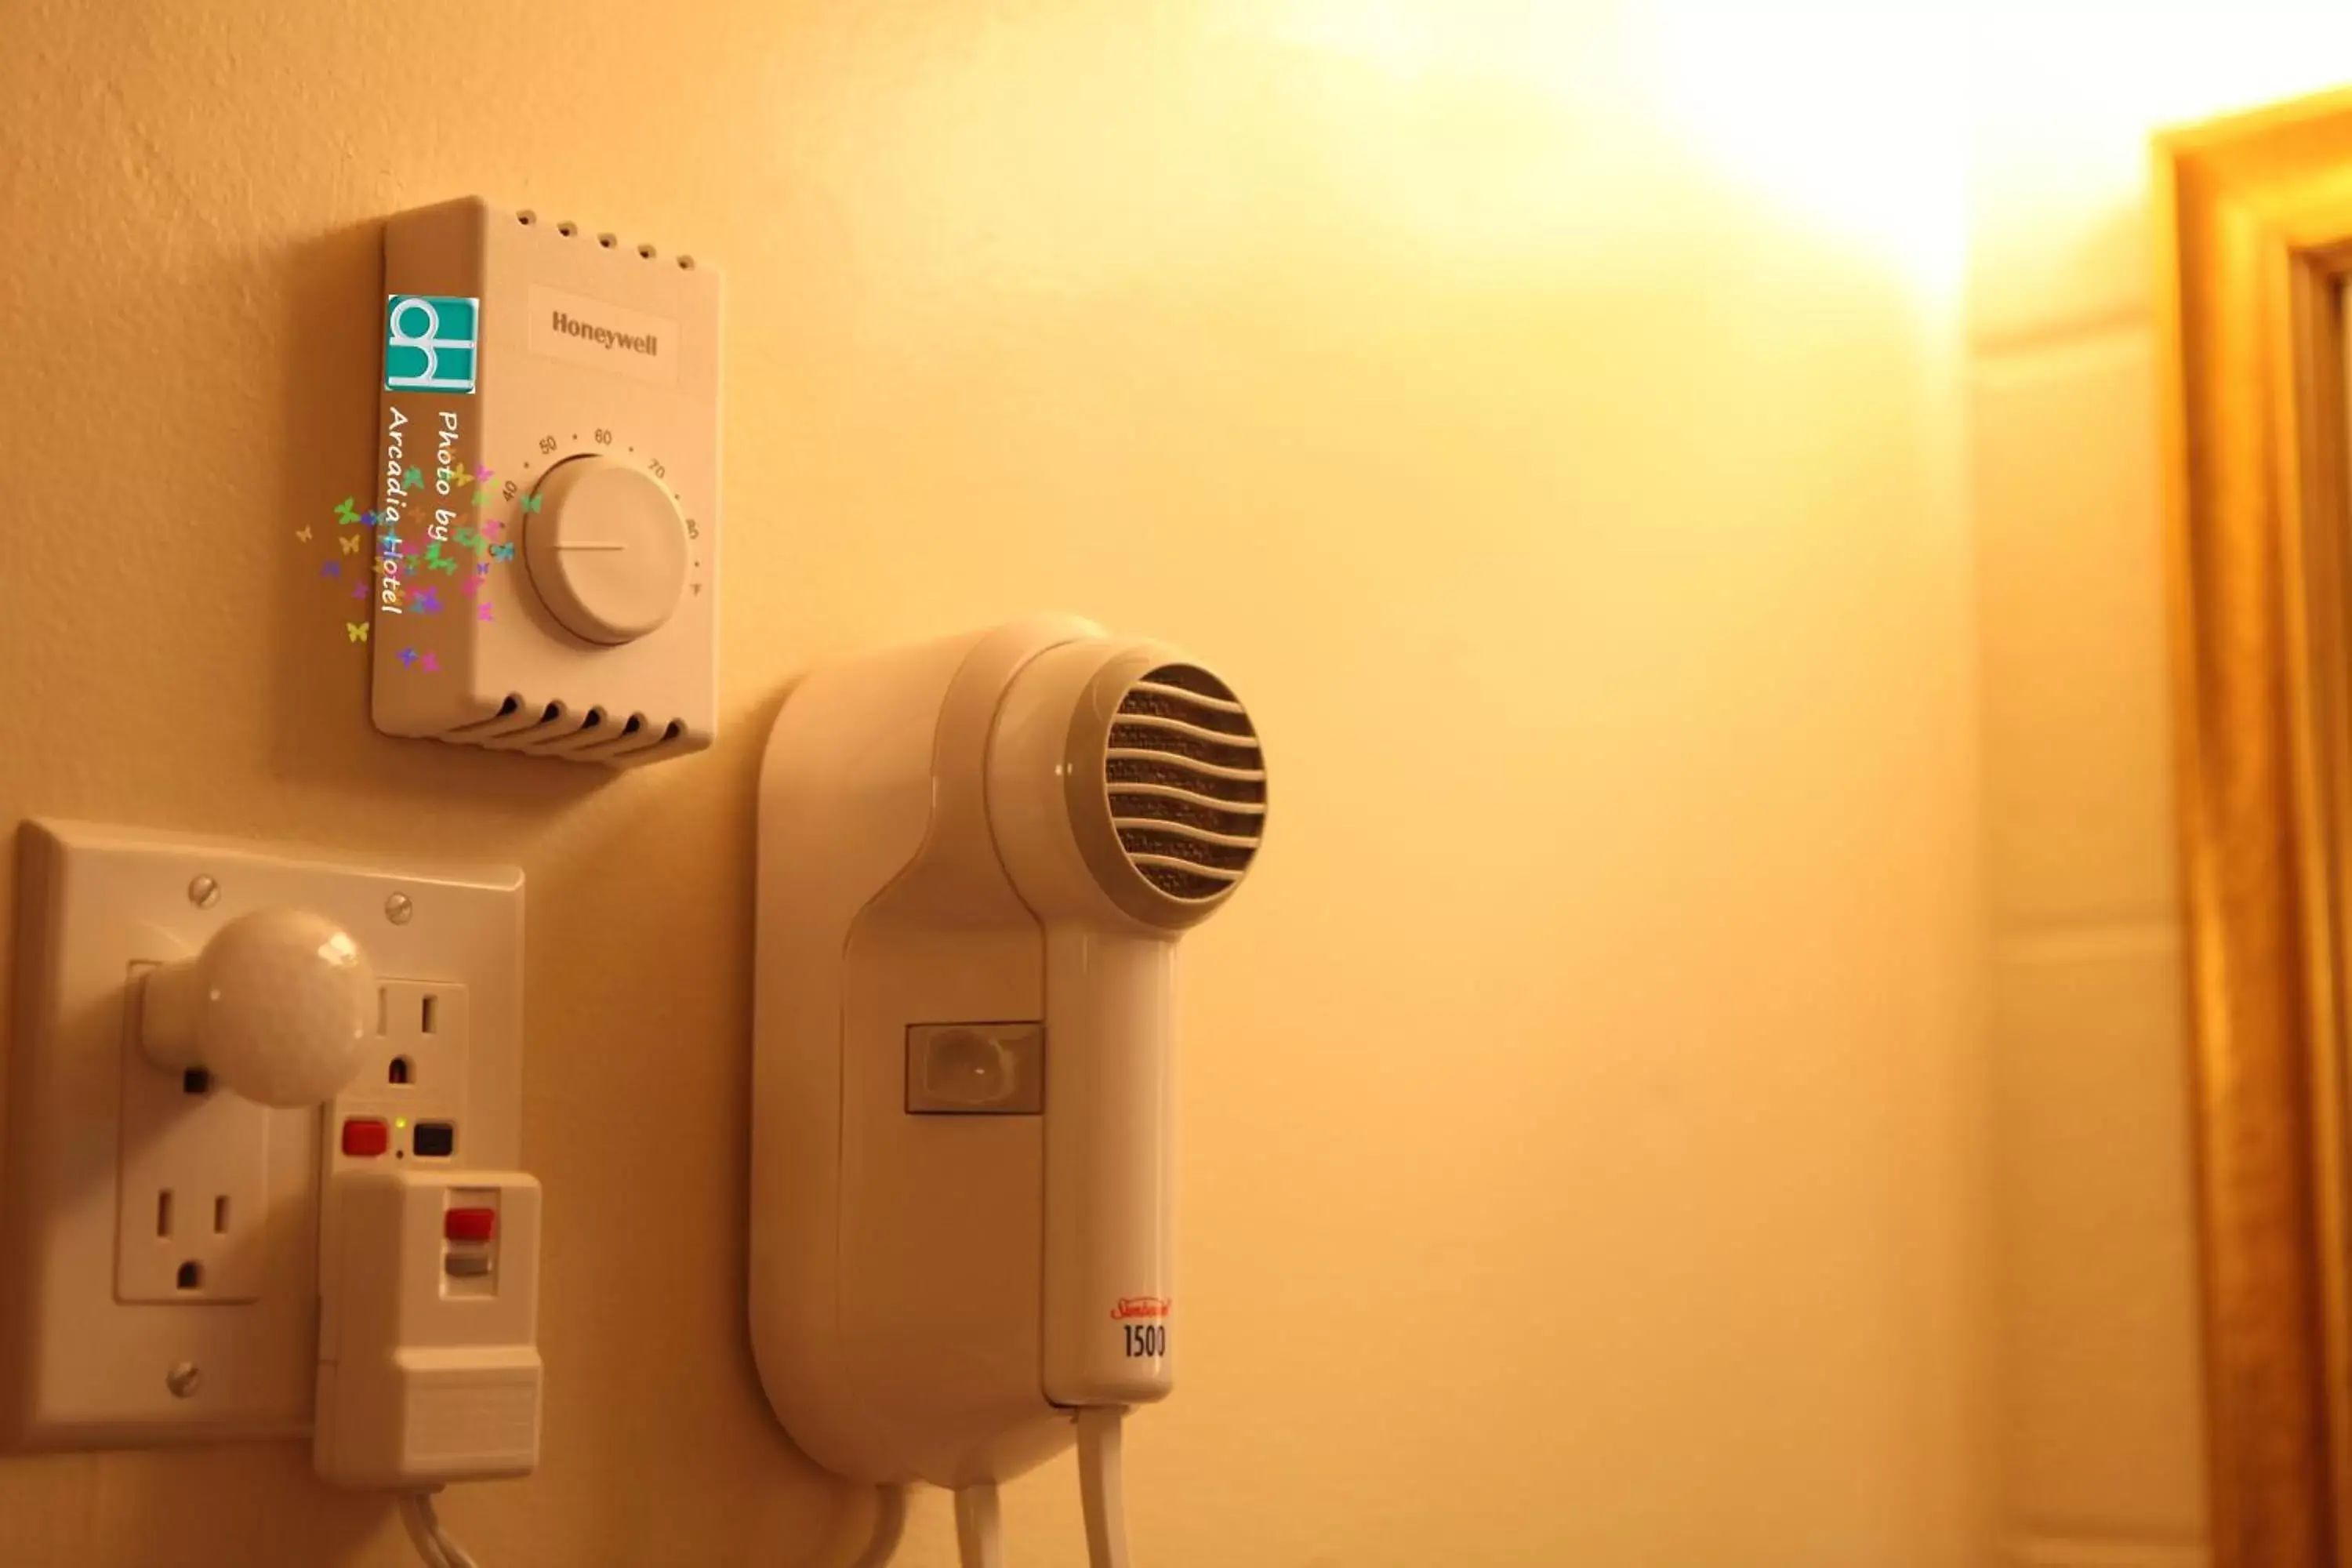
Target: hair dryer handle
1110, 1026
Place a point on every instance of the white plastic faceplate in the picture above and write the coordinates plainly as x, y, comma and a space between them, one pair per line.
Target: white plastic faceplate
546, 506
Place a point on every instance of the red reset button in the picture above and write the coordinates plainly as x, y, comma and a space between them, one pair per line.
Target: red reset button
366, 1136
469, 1224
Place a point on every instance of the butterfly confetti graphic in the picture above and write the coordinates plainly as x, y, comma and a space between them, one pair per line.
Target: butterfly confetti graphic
466, 545
531, 503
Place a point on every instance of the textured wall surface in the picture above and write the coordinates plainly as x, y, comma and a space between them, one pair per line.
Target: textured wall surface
1579, 1116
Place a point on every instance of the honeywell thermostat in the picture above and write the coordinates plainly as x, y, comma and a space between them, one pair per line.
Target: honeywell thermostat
544, 527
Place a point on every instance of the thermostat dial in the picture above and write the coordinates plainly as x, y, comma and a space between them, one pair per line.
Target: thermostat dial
606, 549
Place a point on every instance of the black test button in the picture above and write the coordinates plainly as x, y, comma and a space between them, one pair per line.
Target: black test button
434, 1139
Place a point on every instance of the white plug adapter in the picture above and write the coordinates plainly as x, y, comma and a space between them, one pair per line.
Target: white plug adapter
428, 1355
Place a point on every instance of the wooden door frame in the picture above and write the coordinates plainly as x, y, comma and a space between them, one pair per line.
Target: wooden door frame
2253, 219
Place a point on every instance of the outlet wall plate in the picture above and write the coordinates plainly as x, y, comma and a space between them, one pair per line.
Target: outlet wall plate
101, 1344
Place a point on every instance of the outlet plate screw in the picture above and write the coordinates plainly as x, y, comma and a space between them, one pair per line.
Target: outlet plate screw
203, 892
184, 1378
397, 908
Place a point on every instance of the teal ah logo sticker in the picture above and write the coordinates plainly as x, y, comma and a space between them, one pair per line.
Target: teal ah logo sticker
429, 342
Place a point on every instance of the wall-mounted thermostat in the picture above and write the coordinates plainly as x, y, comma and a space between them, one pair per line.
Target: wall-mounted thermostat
545, 536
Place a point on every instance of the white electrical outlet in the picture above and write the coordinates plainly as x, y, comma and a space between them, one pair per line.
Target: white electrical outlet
416, 1090
119, 1177
192, 1183
409, 1105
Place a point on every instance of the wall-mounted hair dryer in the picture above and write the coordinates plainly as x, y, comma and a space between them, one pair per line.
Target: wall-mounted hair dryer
976, 856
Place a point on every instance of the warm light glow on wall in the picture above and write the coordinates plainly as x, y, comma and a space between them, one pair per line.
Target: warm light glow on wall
1852, 121
2091, 68
1411, 40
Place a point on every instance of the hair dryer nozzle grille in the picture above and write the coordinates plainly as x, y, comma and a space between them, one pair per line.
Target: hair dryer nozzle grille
1185, 782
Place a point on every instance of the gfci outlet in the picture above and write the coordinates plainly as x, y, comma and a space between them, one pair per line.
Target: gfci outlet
160, 1230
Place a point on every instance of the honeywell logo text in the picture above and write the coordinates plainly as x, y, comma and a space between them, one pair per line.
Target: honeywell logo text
605, 337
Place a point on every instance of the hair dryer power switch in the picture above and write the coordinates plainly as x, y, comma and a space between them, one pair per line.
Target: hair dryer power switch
976, 1069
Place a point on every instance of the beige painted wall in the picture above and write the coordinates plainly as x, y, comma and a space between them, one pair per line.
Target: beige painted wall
1579, 1160
2099, 1424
